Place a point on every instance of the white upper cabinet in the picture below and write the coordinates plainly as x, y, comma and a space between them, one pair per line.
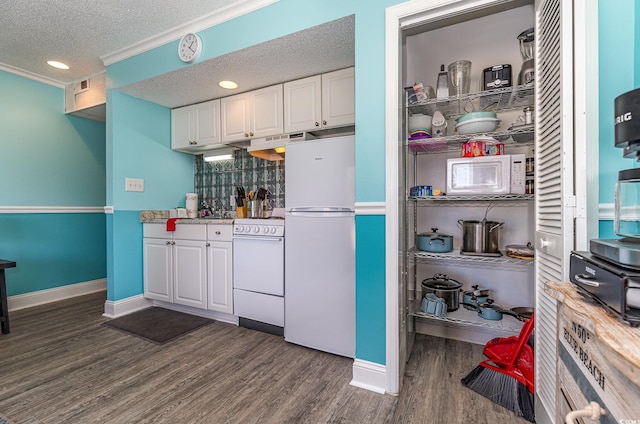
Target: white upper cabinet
321, 101
252, 115
338, 98
303, 104
196, 127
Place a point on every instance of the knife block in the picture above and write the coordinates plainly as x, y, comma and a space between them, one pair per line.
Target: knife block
241, 211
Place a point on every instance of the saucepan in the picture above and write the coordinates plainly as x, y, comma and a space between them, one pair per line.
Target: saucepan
492, 311
474, 296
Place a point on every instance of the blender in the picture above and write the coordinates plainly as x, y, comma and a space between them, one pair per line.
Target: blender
527, 48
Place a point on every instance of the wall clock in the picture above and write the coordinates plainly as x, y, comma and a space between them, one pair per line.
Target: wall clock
189, 48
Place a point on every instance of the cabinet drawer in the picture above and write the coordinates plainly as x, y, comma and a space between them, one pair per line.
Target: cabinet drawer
155, 231
219, 232
190, 231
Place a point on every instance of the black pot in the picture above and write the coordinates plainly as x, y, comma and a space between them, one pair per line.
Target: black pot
444, 287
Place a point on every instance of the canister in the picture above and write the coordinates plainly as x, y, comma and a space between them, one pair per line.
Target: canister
192, 205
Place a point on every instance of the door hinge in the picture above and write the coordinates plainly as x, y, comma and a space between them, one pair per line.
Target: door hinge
569, 201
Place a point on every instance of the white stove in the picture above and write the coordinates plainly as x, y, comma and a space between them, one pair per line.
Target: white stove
258, 273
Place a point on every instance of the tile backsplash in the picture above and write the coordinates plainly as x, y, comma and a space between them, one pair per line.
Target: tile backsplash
217, 181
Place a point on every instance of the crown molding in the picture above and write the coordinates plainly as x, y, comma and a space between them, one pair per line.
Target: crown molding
31, 75
224, 14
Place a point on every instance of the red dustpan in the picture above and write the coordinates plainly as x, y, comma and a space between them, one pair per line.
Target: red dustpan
514, 354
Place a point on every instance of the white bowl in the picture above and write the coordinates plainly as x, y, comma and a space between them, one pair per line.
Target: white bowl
477, 125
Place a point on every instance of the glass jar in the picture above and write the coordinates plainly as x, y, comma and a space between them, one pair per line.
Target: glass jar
626, 222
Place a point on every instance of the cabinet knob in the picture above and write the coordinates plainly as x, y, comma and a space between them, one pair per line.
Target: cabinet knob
246, 135
317, 124
251, 134
167, 243
173, 243
217, 233
208, 244
324, 122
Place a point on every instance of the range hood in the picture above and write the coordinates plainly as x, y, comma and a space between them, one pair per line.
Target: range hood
273, 148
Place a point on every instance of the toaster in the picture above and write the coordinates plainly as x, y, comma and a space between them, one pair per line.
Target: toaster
496, 77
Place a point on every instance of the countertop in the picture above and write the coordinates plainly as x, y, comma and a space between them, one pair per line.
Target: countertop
161, 217
621, 341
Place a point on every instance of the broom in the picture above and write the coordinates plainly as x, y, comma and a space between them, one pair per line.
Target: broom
506, 383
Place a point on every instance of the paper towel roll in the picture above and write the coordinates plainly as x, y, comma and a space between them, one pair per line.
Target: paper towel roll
192, 205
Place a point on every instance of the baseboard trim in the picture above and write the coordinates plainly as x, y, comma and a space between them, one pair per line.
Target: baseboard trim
369, 375
28, 300
118, 308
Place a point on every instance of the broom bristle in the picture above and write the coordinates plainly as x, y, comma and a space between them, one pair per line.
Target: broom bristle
502, 389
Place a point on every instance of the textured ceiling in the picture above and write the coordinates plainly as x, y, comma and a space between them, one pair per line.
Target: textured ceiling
79, 32
319, 49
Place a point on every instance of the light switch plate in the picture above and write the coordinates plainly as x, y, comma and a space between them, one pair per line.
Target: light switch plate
133, 184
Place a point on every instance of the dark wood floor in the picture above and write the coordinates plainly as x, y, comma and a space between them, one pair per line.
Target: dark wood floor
59, 365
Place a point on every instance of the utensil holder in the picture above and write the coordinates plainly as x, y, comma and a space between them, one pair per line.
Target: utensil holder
255, 210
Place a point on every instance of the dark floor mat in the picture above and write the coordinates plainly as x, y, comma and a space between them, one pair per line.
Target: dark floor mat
157, 325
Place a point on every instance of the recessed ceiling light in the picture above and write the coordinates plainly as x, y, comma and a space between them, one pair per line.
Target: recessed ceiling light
57, 64
229, 85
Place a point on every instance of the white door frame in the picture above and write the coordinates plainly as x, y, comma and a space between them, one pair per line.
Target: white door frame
399, 17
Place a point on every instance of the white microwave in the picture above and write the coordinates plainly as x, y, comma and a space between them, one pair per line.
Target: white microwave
501, 174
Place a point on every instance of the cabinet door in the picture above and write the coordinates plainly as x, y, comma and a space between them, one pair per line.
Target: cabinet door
207, 123
158, 269
303, 104
234, 117
182, 134
220, 277
266, 112
190, 273
338, 98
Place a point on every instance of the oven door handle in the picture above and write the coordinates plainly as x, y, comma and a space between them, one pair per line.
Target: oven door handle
582, 280
258, 238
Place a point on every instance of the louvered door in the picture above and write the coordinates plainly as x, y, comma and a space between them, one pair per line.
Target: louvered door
554, 180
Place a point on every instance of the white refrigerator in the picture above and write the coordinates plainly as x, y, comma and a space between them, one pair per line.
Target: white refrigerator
320, 245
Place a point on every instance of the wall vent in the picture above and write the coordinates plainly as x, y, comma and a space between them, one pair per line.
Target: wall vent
81, 87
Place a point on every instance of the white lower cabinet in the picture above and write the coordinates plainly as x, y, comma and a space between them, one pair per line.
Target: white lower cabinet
191, 266
158, 268
220, 269
190, 273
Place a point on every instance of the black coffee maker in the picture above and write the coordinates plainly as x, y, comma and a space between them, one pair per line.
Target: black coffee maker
625, 251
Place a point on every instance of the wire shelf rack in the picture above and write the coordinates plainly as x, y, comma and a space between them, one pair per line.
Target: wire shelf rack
504, 262
448, 200
465, 317
524, 135
498, 100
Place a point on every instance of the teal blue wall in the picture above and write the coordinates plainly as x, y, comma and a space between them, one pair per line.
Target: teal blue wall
616, 52
370, 274
49, 160
140, 148
124, 136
